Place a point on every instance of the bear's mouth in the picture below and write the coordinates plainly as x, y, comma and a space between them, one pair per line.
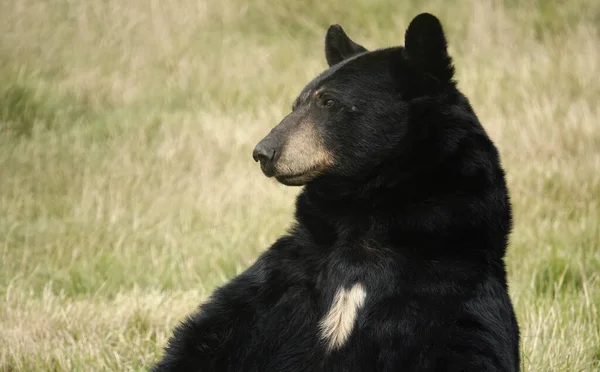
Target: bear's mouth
301, 178
294, 179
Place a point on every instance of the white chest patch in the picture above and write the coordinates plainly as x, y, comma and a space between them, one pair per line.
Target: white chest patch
339, 321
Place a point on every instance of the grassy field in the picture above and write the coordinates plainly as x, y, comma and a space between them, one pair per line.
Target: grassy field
128, 191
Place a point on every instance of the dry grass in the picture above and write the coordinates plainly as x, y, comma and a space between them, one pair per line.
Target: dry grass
127, 189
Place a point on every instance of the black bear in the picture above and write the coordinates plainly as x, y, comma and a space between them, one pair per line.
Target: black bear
396, 259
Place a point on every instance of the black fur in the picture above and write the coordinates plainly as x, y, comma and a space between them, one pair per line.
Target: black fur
415, 208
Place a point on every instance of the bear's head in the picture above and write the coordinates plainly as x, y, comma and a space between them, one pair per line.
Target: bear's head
358, 114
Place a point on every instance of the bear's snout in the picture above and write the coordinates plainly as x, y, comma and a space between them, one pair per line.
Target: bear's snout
265, 152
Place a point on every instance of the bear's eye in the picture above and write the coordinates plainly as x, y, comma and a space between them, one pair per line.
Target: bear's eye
327, 103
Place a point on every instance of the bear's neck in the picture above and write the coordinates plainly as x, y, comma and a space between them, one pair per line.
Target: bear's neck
423, 219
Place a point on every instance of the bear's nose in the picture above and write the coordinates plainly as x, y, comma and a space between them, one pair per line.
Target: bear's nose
263, 152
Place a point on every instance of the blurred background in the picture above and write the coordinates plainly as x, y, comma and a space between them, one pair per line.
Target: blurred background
128, 191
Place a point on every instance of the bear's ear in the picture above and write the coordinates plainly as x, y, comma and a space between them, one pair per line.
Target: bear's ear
338, 46
425, 44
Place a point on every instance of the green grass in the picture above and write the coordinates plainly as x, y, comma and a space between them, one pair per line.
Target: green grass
128, 193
